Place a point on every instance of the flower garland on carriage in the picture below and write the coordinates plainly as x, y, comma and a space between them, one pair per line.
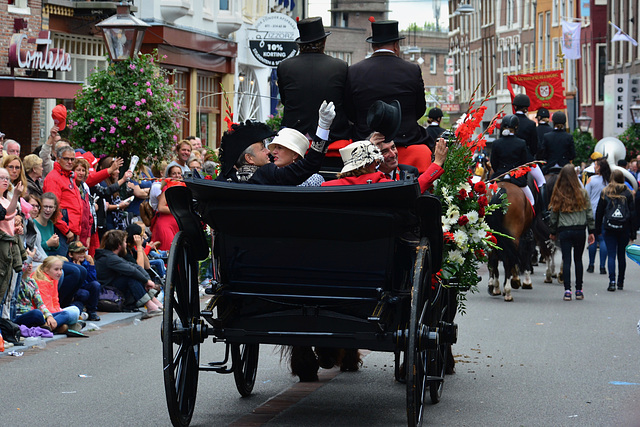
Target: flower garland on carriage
465, 205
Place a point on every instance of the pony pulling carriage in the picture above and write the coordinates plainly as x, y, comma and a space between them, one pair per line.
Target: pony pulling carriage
346, 267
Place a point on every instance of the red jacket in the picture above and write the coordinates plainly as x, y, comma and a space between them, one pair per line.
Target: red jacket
62, 184
425, 180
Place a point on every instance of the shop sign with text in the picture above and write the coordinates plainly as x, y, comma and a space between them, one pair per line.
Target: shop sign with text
44, 57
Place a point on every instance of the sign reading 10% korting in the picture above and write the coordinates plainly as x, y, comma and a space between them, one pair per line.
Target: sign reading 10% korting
273, 40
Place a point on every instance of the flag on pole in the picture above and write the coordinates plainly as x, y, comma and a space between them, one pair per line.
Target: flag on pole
571, 39
621, 36
545, 89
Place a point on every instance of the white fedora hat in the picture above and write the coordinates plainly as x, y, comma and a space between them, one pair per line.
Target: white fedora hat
359, 154
291, 139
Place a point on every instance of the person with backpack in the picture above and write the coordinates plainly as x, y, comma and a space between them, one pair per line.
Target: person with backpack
615, 215
570, 214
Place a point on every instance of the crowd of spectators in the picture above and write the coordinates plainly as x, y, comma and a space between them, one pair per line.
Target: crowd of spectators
61, 207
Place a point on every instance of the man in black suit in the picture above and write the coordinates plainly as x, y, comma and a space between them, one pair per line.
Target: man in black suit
306, 80
390, 166
385, 76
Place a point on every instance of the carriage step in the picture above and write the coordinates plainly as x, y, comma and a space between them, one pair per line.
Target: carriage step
433, 378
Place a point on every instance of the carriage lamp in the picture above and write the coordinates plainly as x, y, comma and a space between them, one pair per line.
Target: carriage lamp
584, 122
123, 33
635, 112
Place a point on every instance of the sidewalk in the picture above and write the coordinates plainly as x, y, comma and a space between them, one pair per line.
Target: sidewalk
105, 319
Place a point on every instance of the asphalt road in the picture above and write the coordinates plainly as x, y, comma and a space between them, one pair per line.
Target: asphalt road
537, 361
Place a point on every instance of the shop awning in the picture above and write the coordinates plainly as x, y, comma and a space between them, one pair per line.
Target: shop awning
21, 87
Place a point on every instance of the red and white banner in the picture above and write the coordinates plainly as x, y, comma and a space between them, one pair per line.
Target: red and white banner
544, 89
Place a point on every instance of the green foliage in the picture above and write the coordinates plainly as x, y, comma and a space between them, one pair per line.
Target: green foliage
631, 140
129, 108
584, 144
275, 122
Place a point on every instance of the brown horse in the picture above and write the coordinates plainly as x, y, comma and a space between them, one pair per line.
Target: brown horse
515, 253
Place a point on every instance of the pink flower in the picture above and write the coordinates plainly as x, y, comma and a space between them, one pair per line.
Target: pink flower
148, 83
175, 137
101, 118
112, 130
102, 129
92, 140
143, 101
91, 121
148, 127
113, 106
124, 107
117, 145
115, 119
138, 103
178, 125
137, 119
135, 83
132, 66
142, 70
149, 113
149, 91
123, 141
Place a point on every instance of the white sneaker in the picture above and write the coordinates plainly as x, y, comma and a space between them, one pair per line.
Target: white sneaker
84, 315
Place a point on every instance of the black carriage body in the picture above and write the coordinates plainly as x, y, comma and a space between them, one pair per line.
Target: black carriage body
315, 266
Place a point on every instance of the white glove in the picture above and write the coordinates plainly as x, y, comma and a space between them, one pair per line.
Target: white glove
326, 114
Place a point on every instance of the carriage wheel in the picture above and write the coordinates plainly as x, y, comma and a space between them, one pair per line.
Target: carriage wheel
182, 332
416, 354
245, 366
437, 357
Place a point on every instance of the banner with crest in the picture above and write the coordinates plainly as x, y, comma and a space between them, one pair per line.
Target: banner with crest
544, 89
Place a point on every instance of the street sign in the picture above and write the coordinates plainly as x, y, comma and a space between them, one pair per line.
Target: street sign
273, 39
450, 108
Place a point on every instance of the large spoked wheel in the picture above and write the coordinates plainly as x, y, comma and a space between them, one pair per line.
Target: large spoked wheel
437, 357
182, 332
399, 371
416, 354
245, 366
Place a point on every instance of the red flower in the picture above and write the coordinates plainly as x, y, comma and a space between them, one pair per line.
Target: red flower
463, 220
493, 186
462, 194
481, 212
482, 201
492, 238
448, 237
521, 171
480, 187
480, 254
209, 177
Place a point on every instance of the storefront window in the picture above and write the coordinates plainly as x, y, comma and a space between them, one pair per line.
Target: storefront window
209, 100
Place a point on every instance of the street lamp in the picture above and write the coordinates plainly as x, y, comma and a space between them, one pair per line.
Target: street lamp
464, 9
635, 112
123, 33
584, 122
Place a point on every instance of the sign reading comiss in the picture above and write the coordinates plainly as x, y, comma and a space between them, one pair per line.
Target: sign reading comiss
273, 39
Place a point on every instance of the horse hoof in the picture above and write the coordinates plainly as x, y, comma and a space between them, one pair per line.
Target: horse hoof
554, 275
490, 290
508, 298
515, 284
548, 280
527, 286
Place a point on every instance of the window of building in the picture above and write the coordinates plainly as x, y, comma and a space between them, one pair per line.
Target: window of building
345, 56
555, 10
601, 71
224, 5
87, 55
19, 6
433, 64
208, 118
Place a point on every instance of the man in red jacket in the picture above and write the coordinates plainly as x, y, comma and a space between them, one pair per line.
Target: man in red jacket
61, 183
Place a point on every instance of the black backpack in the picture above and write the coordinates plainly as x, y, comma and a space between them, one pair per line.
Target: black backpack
111, 299
616, 214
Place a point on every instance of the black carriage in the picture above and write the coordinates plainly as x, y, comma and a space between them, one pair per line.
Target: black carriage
346, 267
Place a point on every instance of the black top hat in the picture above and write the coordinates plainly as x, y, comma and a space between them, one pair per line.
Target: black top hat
435, 113
238, 139
384, 32
385, 118
311, 30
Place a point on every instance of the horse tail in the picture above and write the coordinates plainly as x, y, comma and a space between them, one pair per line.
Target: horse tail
509, 252
541, 234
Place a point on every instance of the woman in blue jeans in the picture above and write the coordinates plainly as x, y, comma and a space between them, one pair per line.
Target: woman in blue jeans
570, 214
594, 188
616, 236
